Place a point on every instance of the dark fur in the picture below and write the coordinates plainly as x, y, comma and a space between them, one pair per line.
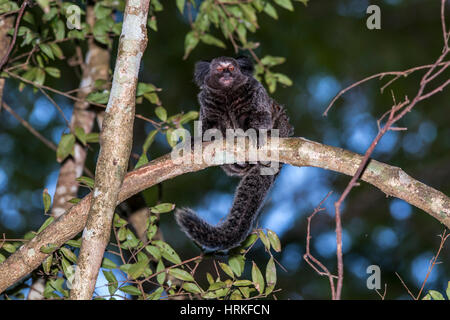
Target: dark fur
244, 104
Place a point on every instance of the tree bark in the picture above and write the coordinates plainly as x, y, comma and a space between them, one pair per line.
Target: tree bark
116, 139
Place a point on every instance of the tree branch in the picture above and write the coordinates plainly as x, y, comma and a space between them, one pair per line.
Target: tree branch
391, 180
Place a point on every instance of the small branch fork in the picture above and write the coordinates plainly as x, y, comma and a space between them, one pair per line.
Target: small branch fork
397, 112
444, 236
16, 30
310, 259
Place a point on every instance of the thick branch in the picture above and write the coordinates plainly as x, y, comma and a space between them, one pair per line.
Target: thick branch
295, 151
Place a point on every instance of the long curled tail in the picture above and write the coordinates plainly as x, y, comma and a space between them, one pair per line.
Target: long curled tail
249, 197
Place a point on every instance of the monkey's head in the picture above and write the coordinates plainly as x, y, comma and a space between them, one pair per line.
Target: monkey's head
223, 72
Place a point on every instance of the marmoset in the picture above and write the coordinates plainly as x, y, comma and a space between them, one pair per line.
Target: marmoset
231, 98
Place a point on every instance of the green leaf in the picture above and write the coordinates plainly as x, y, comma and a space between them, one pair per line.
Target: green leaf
192, 287
152, 23
65, 147
54, 72
2, 258
448, 290
274, 240
237, 262
157, 6
80, 134
226, 268
257, 278
242, 33
108, 264
287, 4
101, 12
217, 285
93, 137
211, 40
40, 77
59, 29
68, 254
89, 182
155, 295
154, 251
209, 278
167, 251
271, 61
47, 199
161, 276
131, 290
48, 248
271, 81
427, 297
161, 113
436, 295
56, 50
181, 274
236, 295
118, 221
271, 11
28, 16
171, 138
112, 281
162, 208
152, 97
47, 50
190, 42
180, 5
8, 247
245, 291
250, 240
143, 160
264, 239
143, 88
46, 224
209, 295
47, 264
271, 275
283, 79
242, 283
137, 269
151, 232
74, 243
98, 97
191, 115
44, 4
131, 240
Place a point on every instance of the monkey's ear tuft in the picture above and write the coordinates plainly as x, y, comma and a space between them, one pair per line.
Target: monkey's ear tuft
201, 71
246, 65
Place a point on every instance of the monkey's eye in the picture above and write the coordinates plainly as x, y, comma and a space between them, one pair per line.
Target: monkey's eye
231, 68
220, 69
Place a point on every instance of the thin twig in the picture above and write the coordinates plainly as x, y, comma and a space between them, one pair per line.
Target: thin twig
44, 140
16, 29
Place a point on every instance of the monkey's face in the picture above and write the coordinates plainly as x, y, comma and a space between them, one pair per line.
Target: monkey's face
225, 73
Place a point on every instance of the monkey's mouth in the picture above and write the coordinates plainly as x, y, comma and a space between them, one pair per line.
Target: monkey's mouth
226, 81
